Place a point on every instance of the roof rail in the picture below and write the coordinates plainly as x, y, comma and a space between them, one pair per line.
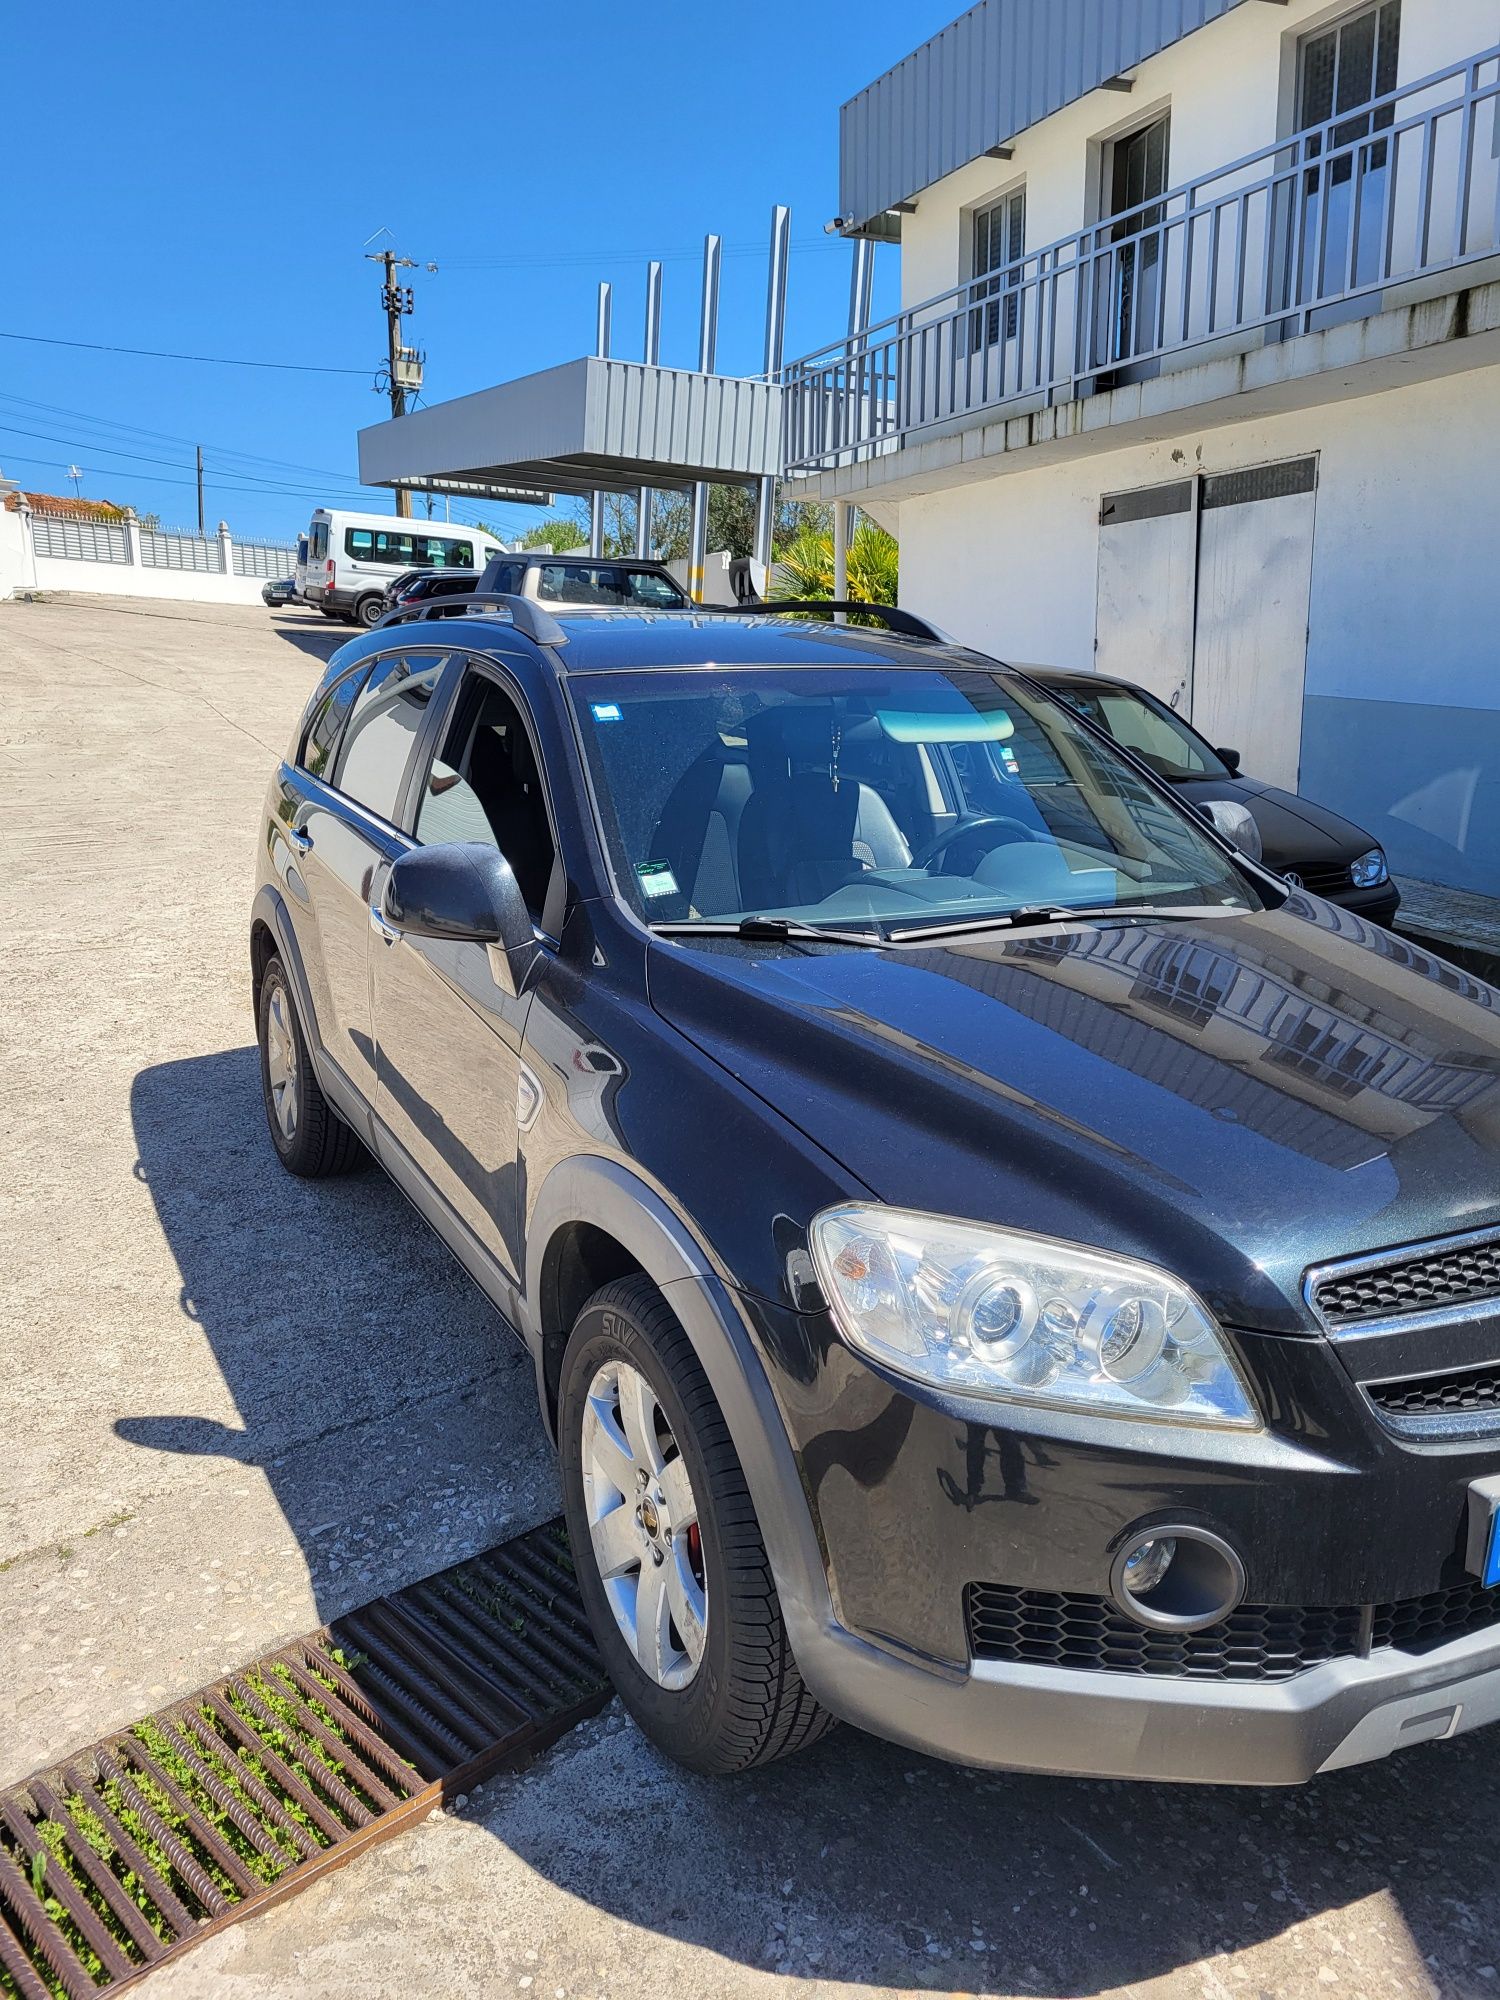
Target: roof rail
527, 617
904, 624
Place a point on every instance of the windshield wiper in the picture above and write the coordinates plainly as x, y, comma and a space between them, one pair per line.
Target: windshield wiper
770, 930
1058, 913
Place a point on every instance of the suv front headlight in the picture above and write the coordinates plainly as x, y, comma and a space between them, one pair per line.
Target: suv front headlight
996, 1312
1370, 870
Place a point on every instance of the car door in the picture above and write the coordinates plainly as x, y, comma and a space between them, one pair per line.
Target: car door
346, 829
452, 1090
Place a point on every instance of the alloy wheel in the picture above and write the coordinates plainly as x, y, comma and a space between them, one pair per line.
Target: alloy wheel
643, 1523
281, 1061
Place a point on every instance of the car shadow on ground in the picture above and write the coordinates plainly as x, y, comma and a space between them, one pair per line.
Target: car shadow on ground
391, 1411
310, 631
329, 1307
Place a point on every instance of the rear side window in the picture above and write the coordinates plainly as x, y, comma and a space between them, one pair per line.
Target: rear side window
329, 717
383, 727
607, 583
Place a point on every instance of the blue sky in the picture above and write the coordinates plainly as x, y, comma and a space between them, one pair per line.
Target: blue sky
203, 178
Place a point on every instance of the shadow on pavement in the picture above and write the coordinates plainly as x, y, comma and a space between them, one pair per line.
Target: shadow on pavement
310, 632
328, 1305
391, 1411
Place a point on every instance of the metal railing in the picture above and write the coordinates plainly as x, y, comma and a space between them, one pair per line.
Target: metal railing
1281, 242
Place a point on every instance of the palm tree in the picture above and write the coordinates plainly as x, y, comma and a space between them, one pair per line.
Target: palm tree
804, 567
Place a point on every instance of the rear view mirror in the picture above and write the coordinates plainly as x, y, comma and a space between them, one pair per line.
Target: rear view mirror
464, 891
1230, 759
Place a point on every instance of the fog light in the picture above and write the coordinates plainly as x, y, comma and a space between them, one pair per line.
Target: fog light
1147, 1564
1172, 1577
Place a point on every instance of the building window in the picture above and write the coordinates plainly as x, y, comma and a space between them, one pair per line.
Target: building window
1339, 230
999, 244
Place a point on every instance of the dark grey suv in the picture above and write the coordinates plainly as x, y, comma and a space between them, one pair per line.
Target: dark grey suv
1000, 1265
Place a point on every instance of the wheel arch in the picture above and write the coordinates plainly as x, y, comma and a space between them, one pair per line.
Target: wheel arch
594, 1217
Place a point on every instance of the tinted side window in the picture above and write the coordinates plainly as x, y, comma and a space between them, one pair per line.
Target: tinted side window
484, 785
327, 724
656, 593
382, 728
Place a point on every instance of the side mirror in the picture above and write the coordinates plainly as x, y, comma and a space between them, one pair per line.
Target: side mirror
463, 891
1230, 759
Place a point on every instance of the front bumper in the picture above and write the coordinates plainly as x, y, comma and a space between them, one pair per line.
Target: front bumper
1376, 906
918, 1499
1056, 1720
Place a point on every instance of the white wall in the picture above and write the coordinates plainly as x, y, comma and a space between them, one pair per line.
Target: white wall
1228, 87
15, 554
1401, 729
126, 580
1403, 569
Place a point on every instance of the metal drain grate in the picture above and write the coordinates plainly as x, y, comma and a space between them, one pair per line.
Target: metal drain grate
136, 1848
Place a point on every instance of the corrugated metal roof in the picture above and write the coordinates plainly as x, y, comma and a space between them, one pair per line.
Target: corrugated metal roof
587, 423
987, 76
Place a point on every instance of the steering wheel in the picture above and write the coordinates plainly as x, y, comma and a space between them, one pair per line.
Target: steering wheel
975, 824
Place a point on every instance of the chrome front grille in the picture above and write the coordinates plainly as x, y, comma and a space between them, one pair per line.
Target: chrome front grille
1430, 1278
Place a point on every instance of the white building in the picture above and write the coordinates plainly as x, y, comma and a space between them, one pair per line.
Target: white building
1197, 376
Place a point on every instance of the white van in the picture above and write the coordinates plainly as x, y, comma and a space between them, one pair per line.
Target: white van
352, 557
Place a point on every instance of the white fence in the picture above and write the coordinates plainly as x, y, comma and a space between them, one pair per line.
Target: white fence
124, 559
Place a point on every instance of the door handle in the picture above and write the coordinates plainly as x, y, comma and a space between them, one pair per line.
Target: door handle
301, 839
387, 932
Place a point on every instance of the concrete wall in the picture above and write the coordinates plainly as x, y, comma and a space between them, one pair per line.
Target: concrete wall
15, 555
1230, 91
23, 568
1402, 707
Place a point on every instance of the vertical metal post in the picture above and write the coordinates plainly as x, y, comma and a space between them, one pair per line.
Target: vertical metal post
652, 357
201, 528
601, 348
708, 351
840, 557
861, 284
765, 512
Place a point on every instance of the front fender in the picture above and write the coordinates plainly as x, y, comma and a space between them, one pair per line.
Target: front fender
607, 1194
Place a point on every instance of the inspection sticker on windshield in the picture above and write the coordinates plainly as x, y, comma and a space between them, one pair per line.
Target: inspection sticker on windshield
656, 878
606, 711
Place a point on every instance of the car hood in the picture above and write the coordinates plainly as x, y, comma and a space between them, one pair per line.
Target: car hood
1292, 829
1234, 1098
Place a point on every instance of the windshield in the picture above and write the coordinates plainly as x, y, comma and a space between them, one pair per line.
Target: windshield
884, 797
1145, 727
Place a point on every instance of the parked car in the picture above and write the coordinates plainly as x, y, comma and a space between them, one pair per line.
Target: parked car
282, 592
417, 587
1001, 1266
403, 581
583, 582
1316, 848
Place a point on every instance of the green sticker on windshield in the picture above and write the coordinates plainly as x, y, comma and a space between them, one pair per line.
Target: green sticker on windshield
656, 878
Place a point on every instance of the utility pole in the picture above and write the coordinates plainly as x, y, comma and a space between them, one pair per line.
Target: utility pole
201, 529
397, 301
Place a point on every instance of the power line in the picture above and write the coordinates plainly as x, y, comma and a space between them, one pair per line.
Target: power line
108, 424
161, 354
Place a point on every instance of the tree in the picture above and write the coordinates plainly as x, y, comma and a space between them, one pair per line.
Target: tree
806, 564
559, 532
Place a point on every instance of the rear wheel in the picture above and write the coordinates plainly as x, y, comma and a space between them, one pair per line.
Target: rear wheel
309, 1136
669, 1554
369, 611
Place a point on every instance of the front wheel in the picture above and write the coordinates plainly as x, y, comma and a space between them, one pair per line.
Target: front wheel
310, 1138
670, 1560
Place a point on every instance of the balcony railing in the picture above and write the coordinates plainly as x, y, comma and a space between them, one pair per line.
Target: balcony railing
1309, 230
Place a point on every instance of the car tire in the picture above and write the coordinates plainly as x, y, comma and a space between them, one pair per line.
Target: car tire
369, 611
310, 1138
741, 1701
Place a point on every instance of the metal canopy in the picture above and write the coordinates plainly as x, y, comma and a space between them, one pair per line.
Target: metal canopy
595, 424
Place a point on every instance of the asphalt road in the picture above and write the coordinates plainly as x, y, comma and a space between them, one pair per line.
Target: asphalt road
234, 1405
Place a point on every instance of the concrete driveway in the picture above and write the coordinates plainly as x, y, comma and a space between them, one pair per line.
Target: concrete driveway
235, 1405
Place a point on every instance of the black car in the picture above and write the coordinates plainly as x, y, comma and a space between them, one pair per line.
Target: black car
1001, 1266
421, 586
1317, 849
283, 591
